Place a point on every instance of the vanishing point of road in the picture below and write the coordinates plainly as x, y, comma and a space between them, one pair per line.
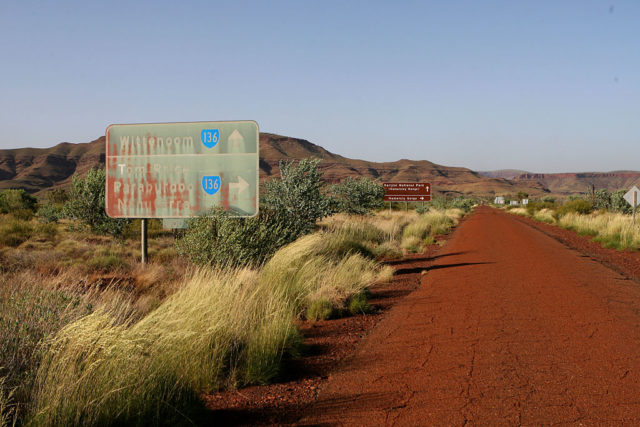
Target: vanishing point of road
509, 327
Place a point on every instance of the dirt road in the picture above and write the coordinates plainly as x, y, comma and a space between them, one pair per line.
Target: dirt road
509, 327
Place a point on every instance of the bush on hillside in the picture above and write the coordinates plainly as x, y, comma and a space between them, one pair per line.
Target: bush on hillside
357, 196
86, 204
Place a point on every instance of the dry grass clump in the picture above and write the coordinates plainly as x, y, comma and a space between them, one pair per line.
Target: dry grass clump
419, 233
389, 234
221, 328
321, 267
29, 312
14, 231
8, 410
613, 230
544, 215
520, 211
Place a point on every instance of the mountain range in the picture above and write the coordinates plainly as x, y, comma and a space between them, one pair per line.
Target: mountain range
40, 169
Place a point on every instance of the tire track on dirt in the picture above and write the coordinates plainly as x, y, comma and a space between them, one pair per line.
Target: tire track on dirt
509, 327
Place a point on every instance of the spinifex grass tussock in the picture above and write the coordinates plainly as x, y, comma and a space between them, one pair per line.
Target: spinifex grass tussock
544, 215
321, 266
222, 328
613, 230
15, 231
421, 230
29, 312
520, 211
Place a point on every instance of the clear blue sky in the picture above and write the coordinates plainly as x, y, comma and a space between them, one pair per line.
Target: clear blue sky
545, 86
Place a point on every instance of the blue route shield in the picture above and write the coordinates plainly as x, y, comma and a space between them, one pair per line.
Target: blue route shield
211, 184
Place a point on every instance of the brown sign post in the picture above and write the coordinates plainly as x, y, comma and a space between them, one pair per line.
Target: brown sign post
406, 192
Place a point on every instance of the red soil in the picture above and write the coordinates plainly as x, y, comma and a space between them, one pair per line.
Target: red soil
328, 344
509, 327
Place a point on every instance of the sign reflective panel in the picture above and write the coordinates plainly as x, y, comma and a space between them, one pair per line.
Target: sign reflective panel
629, 196
179, 170
407, 191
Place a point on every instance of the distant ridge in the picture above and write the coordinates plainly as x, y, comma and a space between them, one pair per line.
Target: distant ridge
503, 173
582, 182
39, 169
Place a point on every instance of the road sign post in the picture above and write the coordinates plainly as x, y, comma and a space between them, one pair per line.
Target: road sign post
180, 170
143, 241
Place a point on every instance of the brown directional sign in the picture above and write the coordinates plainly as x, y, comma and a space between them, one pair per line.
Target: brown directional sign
407, 191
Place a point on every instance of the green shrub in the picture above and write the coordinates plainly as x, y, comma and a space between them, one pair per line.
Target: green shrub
17, 200
321, 309
358, 304
50, 213
442, 203
578, 206
86, 204
218, 239
292, 205
297, 197
357, 196
619, 204
534, 207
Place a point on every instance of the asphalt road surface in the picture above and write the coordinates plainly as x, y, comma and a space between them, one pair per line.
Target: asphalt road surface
509, 327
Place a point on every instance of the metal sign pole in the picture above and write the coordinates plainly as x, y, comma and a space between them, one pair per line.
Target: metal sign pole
635, 203
143, 232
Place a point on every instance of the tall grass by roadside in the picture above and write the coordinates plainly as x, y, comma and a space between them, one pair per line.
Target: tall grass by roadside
140, 360
390, 234
222, 328
326, 269
613, 230
29, 312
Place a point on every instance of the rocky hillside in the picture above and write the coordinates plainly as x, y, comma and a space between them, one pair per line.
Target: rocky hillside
39, 169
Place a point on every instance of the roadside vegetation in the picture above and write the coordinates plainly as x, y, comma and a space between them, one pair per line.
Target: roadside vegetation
605, 216
89, 336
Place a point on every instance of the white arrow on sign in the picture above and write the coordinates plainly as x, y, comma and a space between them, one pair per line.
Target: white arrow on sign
236, 142
629, 196
241, 185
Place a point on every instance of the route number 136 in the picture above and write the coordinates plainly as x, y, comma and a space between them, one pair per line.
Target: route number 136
211, 184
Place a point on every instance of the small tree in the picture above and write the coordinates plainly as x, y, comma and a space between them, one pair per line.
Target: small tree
86, 203
357, 196
601, 199
297, 195
619, 204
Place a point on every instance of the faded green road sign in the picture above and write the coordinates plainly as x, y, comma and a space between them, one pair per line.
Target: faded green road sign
178, 170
